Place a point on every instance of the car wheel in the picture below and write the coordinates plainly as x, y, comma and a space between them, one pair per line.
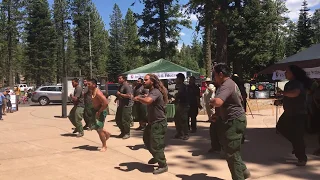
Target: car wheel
43, 101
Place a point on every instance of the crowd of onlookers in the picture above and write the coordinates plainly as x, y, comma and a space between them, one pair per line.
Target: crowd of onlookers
6, 104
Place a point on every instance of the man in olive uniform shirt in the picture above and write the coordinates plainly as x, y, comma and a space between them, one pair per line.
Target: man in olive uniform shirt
231, 120
140, 109
182, 109
124, 110
154, 134
87, 104
76, 113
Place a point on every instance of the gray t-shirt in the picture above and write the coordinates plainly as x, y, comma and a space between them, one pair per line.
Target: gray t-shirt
295, 105
87, 96
125, 89
78, 93
140, 91
182, 95
156, 110
230, 94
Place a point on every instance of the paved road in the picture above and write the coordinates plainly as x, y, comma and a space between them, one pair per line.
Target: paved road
36, 145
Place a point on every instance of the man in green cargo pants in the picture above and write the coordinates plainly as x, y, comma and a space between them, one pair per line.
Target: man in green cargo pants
76, 113
124, 110
232, 120
181, 118
154, 133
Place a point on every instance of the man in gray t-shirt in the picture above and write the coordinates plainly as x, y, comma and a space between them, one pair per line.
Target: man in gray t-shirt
231, 121
154, 133
76, 113
87, 105
124, 110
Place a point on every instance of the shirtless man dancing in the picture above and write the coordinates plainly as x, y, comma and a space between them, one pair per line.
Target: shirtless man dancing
99, 113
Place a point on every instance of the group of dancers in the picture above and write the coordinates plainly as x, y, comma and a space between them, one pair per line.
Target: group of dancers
229, 119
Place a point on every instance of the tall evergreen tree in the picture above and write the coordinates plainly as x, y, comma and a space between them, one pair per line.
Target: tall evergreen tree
304, 32
70, 55
100, 43
116, 63
80, 16
162, 21
290, 39
132, 48
40, 31
61, 17
12, 18
316, 26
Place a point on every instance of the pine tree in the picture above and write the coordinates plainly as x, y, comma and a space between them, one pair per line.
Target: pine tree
80, 17
116, 63
12, 19
41, 40
162, 21
316, 26
70, 55
290, 39
61, 17
304, 32
100, 43
132, 48
197, 51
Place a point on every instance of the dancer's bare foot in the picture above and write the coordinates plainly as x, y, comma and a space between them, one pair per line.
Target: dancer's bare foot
103, 149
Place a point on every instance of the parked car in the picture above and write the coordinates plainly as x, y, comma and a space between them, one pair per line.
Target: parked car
112, 89
24, 87
47, 94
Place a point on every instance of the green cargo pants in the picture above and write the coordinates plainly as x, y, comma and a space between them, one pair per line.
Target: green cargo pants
230, 135
87, 115
181, 120
75, 116
123, 119
153, 138
141, 113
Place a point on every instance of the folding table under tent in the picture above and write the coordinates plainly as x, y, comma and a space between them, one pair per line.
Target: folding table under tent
164, 69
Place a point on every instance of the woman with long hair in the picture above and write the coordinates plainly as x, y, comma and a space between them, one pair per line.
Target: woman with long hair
155, 131
291, 124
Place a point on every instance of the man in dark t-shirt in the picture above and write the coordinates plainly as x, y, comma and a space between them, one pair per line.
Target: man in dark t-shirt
182, 109
124, 110
76, 113
154, 133
291, 123
87, 103
194, 102
231, 120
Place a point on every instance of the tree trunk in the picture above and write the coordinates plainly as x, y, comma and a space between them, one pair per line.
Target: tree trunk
10, 78
222, 43
207, 49
163, 43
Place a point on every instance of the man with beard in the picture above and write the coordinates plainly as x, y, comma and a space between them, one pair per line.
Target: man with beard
124, 110
98, 111
141, 109
231, 120
76, 113
87, 102
154, 133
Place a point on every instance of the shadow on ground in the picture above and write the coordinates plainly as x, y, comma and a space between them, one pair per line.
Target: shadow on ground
263, 146
130, 166
136, 147
87, 147
69, 135
200, 176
